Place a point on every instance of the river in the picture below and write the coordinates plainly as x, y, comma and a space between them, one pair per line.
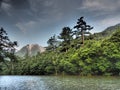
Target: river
59, 83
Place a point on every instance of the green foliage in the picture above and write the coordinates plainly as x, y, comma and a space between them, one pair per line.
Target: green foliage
97, 57
116, 37
66, 34
7, 50
52, 43
66, 37
82, 29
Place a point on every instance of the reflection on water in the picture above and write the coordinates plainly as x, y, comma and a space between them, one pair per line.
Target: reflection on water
58, 83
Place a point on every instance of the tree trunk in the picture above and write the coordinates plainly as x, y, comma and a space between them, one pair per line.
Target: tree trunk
6, 64
56, 73
82, 38
12, 67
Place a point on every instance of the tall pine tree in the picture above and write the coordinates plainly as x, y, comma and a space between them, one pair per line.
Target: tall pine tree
82, 28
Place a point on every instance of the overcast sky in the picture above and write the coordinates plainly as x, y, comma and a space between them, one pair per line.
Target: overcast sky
34, 21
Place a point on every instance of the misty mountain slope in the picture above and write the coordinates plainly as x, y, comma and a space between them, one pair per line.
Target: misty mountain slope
107, 32
31, 50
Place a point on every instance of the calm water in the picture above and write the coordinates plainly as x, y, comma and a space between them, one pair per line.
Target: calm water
58, 83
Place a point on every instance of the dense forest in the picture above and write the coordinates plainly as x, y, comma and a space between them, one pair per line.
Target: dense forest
73, 52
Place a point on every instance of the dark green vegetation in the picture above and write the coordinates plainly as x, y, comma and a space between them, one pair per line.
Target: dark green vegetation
7, 50
73, 52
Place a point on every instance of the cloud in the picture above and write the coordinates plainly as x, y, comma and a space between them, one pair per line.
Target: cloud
110, 21
7, 1
52, 12
48, 3
101, 5
47, 17
6, 7
25, 27
44, 7
37, 25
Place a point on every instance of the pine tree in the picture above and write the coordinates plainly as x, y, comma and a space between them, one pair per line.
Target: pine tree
7, 48
66, 37
82, 28
52, 43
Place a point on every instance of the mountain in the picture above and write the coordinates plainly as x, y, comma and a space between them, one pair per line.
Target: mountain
107, 32
30, 50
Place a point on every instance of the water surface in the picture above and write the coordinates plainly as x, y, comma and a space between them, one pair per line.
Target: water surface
58, 83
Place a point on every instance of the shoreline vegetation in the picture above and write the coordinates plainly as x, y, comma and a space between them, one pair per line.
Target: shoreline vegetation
72, 52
